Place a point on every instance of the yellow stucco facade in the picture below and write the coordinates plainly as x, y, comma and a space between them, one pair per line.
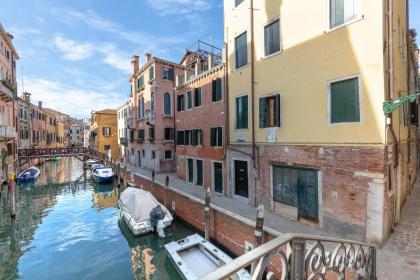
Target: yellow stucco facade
104, 132
372, 157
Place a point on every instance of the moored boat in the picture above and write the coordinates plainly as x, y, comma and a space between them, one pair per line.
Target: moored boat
136, 208
29, 175
194, 257
102, 174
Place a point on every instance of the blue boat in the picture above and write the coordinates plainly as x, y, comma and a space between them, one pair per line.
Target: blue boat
102, 174
29, 175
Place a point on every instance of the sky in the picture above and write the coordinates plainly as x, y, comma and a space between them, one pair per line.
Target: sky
75, 55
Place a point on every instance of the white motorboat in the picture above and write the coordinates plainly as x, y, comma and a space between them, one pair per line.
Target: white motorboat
195, 257
89, 162
102, 174
136, 206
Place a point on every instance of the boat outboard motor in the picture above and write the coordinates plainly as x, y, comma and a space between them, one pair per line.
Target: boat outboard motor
156, 220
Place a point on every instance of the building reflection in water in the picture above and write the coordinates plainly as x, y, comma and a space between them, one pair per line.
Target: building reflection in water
105, 196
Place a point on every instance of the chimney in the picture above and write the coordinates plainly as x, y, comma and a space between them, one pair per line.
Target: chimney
148, 57
40, 104
210, 60
27, 97
135, 64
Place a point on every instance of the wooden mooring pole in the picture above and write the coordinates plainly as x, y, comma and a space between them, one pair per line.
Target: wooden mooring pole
165, 197
207, 215
12, 194
259, 225
153, 181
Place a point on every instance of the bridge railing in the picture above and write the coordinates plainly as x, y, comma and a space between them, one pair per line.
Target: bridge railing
50, 152
298, 256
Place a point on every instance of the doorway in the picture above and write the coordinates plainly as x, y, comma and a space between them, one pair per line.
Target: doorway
241, 178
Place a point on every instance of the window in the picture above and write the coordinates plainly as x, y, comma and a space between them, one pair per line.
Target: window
151, 73
238, 2
167, 104
190, 170
140, 82
218, 177
343, 11
151, 133
106, 131
180, 105
196, 137
143, 153
241, 50
189, 100
140, 134
142, 107
168, 74
272, 37
216, 137
197, 97
153, 154
187, 137
168, 154
344, 101
107, 147
180, 137
169, 133
216, 90
297, 187
242, 112
152, 102
199, 172
270, 111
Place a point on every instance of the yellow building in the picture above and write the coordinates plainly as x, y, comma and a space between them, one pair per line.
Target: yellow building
308, 137
104, 132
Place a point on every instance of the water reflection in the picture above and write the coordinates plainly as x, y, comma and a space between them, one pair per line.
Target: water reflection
68, 227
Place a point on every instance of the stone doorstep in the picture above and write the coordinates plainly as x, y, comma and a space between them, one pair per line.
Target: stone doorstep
273, 224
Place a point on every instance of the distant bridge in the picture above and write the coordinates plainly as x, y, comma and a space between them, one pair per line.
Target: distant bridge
82, 153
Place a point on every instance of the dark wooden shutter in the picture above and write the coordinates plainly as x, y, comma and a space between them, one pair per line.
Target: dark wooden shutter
213, 136
219, 137
171, 74
277, 112
263, 113
219, 89
213, 90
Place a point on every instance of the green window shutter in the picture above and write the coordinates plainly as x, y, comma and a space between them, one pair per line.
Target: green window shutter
344, 101
219, 137
151, 72
263, 113
171, 74
277, 112
213, 136
213, 90
245, 111
218, 89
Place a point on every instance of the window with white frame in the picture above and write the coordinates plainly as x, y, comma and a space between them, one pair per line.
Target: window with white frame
343, 11
241, 50
272, 37
344, 101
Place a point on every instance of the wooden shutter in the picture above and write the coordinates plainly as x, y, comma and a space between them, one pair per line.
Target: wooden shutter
263, 113
219, 137
277, 111
213, 90
171, 74
213, 136
219, 89
344, 101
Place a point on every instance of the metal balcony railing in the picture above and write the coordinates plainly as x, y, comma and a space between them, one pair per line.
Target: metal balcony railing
7, 132
299, 256
123, 141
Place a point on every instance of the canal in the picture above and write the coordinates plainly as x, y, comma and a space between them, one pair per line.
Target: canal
67, 227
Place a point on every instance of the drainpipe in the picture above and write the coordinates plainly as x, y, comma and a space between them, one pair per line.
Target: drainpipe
252, 82
226, 98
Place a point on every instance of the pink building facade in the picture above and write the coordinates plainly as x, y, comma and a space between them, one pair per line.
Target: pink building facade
151, 125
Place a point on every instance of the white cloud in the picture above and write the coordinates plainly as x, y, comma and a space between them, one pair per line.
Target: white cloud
76, 101
186, 8
106, 52
73, 50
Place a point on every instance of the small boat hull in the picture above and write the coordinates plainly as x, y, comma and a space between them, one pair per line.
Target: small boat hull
195, 257
29, 175
102, 179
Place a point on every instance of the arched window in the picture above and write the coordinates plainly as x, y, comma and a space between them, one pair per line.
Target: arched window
152, 102
167, 104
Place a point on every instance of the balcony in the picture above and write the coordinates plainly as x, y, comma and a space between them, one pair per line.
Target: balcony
7, 132
129, 123
7, 90
124, 141
150, 117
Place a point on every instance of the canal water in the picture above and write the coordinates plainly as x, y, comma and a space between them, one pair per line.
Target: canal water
68, 227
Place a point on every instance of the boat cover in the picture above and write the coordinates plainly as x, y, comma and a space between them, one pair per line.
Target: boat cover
139, 203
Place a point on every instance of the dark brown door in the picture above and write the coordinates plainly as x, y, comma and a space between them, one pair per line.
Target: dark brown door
241, 178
